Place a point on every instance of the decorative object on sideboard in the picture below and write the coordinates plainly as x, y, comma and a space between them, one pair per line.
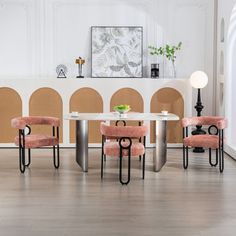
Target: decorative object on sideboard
117, 52
169, 51
80, 63
122, 110
61, 71
155, 71
198, 80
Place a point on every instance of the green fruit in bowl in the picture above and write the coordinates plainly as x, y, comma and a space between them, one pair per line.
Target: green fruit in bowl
122, 108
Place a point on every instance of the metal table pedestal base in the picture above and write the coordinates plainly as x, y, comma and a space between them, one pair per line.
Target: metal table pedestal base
159, 154
82, 144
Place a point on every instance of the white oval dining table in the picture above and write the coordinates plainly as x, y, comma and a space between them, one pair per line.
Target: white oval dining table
160, 150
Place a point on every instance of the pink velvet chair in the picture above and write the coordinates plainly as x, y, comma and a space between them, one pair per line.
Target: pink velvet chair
124, 124
211, 141
119, 141
28, 141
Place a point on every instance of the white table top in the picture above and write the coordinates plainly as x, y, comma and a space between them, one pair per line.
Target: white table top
128, 116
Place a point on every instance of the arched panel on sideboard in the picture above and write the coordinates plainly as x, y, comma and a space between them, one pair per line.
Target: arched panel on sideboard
128, 96
86, 100
10, 107
46, 102
171, 100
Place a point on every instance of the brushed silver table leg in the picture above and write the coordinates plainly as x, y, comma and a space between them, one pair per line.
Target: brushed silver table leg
82, 144
159, 155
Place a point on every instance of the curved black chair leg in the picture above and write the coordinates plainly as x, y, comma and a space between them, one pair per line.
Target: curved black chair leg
140, 140
22, 159
56, 158
185, 157
221, 150
210, 158
29, 158
22, 151
121, 180
210, 161
221, 160
129, 159
217, 157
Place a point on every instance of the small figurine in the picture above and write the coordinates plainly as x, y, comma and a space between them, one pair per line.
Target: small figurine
80, 62
61, 71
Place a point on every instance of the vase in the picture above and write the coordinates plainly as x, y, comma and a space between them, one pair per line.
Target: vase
173, 69
155, 72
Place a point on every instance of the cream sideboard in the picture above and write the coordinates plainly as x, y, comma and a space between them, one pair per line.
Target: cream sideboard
52, 96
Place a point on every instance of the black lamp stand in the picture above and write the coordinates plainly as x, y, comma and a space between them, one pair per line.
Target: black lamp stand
198, 129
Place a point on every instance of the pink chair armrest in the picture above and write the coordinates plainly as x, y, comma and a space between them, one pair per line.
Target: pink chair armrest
21, 122
219, 122
123, 131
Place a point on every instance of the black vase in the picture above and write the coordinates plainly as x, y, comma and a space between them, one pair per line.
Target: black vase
155, 70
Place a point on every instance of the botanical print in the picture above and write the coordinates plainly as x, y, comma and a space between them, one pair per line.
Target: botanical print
116, 52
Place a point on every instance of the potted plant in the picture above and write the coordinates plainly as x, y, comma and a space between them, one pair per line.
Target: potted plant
169, 51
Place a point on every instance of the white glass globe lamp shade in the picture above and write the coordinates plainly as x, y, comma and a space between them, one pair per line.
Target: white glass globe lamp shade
198, 79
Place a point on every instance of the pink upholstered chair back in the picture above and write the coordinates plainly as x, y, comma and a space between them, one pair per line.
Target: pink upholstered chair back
123, 131
21, 122
219, 122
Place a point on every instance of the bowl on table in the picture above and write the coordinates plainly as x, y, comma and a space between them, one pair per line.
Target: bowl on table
122, 109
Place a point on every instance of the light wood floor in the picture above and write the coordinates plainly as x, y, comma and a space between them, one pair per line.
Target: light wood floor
44, 201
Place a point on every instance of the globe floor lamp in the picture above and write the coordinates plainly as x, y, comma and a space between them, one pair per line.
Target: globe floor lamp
198, 80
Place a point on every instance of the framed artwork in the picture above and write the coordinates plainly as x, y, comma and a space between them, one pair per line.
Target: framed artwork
117, 52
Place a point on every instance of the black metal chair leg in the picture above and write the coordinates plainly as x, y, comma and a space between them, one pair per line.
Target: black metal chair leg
22, 151
21, 159
128, 179
143, 166
210, 158
58, 155
221, 150
140, 140
56, 158
221, 160
185, 157
129, 159
102, 166
29, 158
217, 157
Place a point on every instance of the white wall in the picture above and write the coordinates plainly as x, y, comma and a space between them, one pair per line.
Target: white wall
37, 35
226, 97
225, 8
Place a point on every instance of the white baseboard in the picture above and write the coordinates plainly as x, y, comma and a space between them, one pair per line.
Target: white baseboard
230, 151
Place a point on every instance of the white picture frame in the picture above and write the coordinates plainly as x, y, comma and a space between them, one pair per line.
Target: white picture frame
117, 51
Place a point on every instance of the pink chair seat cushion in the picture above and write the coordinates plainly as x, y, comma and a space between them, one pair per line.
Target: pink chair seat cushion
206, 141
38, 140
113, 149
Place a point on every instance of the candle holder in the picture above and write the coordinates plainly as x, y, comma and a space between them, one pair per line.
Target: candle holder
80, 63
